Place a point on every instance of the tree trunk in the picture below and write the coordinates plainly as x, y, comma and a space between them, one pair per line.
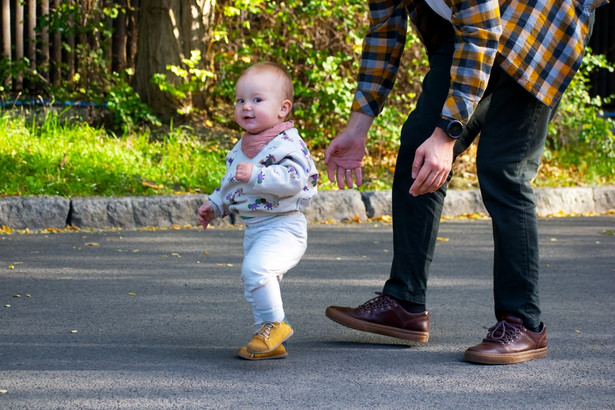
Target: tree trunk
168, 31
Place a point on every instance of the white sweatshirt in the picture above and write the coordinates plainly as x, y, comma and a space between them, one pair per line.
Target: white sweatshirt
283, 180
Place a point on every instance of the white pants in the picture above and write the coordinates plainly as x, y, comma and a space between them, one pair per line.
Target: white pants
271, 248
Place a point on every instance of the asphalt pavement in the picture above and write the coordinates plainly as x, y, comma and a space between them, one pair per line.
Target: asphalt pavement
151, 319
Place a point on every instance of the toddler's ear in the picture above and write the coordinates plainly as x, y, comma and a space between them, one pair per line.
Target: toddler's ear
285, 109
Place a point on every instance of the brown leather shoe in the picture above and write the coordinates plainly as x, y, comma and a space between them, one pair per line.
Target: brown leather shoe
384, 316
509, 342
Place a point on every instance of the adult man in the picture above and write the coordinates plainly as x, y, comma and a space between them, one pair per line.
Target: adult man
497, 69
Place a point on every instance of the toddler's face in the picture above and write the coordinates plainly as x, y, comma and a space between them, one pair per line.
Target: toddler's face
260, 102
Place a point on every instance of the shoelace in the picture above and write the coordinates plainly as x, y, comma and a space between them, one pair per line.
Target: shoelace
504, 332
266, 330
379, 301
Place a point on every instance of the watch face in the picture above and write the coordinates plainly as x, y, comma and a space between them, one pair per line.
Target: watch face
455, 128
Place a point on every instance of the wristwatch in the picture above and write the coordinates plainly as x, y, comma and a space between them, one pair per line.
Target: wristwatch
453, 128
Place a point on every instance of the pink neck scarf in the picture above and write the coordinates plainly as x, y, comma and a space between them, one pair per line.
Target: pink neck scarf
251, 144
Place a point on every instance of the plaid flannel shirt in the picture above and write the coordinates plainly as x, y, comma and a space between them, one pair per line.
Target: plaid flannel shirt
538, 42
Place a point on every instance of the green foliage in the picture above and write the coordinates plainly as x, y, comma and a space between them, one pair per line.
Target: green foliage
192, 79
92, 81
580, 138
128, 109
51, 157
319, 42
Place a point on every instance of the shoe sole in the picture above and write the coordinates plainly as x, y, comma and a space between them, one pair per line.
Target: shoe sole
505, 358
244, 354
363, 326
274, 347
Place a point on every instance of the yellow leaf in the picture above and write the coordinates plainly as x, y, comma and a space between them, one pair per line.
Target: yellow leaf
16, 296
4, 391
7, 306
91, 244
441, 239
73, 331
151, 184
132, 294
11, 267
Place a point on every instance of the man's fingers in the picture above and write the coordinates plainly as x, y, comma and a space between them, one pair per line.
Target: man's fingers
348, 174
359, 176
341, 178
331, 168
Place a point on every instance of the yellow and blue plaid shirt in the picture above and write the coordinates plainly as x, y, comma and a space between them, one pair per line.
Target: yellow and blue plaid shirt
537, 42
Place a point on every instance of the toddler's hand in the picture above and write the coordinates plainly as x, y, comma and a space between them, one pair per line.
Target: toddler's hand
244, 171
206, 214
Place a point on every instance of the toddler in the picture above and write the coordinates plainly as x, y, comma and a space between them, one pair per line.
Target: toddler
270, 177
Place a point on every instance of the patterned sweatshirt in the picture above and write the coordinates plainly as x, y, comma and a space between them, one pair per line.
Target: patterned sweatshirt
283, 180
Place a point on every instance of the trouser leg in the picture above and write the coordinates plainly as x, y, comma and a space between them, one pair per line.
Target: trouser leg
514, 128
416, 220
270, 250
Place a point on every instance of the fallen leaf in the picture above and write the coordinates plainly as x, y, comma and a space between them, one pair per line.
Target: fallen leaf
3, 391
73, 331
441, 239
7, 306
151, 184
91, 244
132, 294
16, 296
11, 267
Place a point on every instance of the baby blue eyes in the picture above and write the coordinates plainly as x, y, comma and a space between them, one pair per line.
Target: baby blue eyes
255, 100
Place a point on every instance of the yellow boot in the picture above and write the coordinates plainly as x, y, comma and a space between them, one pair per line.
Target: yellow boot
271, 335
279, 352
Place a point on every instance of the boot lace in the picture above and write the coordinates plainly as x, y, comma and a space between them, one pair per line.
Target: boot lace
379, 302
504, 332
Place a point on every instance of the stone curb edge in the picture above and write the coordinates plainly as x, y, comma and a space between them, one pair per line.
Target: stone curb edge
37, 213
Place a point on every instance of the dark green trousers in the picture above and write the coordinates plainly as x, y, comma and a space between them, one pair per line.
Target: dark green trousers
513, 127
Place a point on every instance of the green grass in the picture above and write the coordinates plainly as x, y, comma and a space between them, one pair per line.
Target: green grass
50, 157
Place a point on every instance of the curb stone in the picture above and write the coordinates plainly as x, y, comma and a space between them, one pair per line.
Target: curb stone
36, 213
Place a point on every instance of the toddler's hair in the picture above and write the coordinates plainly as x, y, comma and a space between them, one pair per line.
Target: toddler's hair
286, 81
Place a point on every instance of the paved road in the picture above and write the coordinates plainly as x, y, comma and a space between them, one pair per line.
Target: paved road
151, 319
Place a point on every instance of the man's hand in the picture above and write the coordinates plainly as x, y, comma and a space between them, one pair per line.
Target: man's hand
206, 214
345, 153
432, 164
244, 171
